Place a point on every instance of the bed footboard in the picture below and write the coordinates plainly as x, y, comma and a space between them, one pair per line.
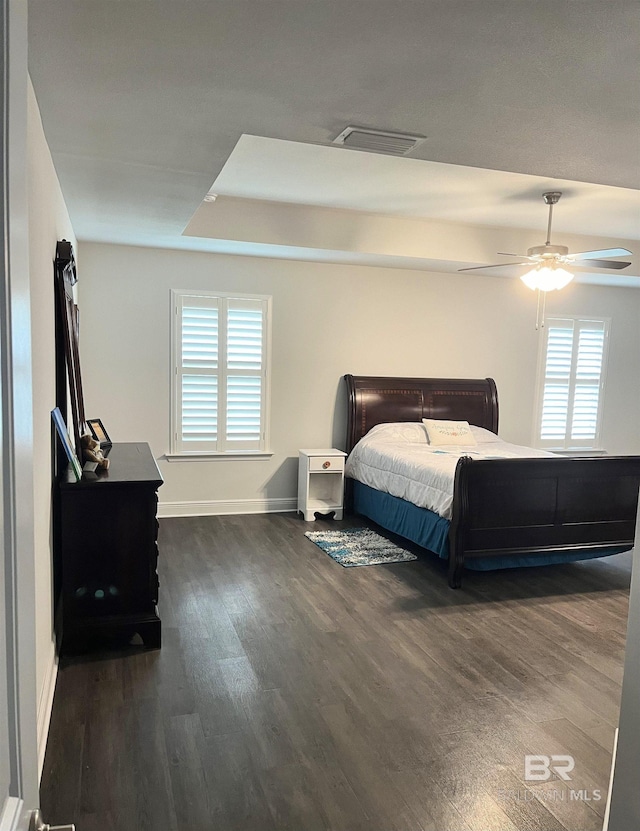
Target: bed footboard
541, 506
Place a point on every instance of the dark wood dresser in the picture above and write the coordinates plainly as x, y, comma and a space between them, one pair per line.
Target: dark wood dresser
108, 543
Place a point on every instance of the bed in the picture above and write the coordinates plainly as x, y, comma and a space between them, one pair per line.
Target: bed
506, 511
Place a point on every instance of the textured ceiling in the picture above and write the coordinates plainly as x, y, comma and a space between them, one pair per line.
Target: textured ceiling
143, 101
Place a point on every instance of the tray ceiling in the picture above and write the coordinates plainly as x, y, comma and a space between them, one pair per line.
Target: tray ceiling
143, 104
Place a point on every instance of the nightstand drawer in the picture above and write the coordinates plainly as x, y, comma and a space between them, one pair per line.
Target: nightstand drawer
326, 464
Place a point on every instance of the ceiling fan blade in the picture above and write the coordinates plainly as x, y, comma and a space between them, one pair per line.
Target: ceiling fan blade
618, 264
604, 252
504, 254
494, 265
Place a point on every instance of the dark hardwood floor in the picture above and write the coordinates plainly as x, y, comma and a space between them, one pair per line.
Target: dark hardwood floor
292, 693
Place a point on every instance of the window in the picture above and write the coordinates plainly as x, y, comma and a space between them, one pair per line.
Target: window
571, 383
220, 349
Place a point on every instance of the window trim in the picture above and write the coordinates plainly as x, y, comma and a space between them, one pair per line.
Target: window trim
177, 452
570, 446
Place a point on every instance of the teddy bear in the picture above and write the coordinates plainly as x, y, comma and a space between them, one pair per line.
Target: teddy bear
92, 453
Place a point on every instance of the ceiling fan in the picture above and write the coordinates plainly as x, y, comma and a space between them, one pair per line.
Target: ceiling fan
547, 260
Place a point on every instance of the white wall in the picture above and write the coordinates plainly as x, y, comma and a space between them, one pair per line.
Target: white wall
48, 223
623, 810
327, 320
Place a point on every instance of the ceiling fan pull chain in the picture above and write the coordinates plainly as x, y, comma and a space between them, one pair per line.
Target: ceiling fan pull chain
539, 315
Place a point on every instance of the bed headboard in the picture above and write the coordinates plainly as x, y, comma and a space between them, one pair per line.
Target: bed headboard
374, 401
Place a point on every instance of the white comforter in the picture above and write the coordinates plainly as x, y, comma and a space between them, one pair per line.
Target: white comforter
397, 459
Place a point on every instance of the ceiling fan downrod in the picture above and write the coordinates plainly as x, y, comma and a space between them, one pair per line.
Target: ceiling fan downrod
551, 198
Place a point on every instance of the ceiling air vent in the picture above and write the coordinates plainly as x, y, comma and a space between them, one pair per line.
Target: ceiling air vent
378, 141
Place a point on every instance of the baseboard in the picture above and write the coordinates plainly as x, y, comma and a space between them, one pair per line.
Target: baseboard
45, 706
222, 507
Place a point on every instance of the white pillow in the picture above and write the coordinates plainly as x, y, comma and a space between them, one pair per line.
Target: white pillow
408, 431
483, 436
448, 432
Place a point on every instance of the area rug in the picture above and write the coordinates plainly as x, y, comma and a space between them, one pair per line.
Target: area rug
359, 547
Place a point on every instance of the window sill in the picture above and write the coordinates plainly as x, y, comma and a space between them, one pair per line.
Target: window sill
590, 451
234, 456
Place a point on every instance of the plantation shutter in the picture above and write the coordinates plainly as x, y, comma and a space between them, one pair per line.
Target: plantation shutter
586, 399
244, 372
198, 366
220, 373
557, 382
573, 379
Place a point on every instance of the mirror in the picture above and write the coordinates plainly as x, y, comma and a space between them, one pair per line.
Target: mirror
66, 277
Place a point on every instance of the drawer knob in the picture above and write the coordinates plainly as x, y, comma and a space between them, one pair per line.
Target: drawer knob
325, 465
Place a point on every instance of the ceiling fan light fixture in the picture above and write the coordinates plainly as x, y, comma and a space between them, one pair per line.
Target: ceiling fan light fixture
547, 278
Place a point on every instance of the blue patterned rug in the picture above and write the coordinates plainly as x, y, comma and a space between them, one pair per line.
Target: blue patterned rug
359, 547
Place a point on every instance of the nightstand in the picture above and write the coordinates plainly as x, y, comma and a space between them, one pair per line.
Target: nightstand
321, 483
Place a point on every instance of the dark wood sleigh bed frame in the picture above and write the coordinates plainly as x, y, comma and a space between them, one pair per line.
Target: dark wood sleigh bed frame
537, 506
